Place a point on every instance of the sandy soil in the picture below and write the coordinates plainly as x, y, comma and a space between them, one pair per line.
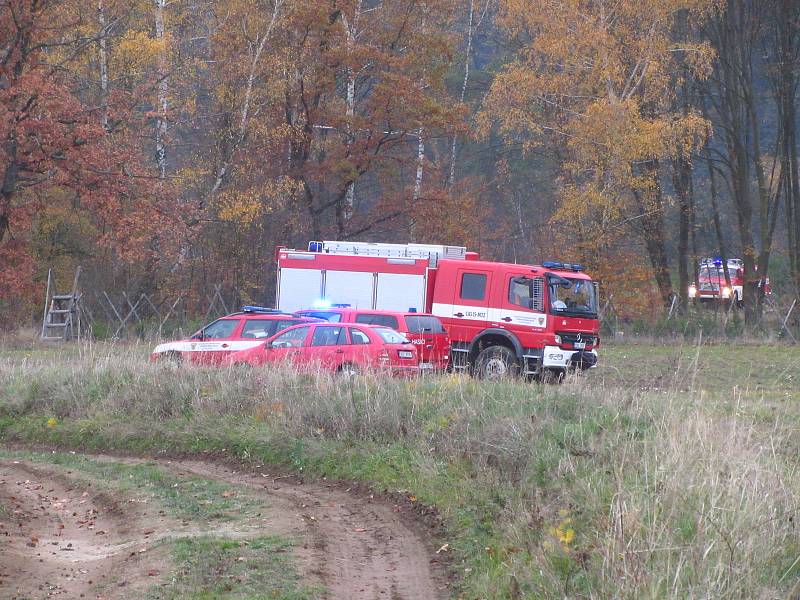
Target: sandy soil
59, 539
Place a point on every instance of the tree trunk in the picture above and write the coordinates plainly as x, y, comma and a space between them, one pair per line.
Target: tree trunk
417, 179
163, 89
103, 60
351, 31
470, 28
651, 206
682, 181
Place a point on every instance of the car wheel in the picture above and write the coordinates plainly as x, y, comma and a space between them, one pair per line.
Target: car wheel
496, 362
349, 370
171, 358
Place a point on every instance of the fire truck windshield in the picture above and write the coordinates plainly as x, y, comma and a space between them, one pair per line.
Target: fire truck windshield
572, 297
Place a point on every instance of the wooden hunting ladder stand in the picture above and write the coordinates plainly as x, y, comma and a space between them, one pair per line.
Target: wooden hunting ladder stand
62, 313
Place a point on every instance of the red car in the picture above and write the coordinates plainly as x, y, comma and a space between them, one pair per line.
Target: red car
234, 332
424, 330
336, 347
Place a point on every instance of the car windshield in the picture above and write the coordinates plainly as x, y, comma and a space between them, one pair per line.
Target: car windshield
572, 297
218, 329
332, 317
390, 336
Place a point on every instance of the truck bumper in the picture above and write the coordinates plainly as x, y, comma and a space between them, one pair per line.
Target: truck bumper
554, 357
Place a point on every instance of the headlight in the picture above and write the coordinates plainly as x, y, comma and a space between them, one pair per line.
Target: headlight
558, 339
692, 291
726, 292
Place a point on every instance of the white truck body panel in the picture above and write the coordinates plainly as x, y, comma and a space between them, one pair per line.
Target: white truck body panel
400, 292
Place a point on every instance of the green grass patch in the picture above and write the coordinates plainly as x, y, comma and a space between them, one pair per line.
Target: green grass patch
210, 568
193, 498
668, 471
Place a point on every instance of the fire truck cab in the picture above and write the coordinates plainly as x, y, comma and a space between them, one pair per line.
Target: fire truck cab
502, 318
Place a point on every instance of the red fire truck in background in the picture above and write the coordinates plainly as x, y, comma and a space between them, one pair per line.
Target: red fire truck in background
711, 284
502, 318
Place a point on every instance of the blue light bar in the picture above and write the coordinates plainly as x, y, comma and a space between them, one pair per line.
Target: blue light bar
552, 264
259, 309
315, 246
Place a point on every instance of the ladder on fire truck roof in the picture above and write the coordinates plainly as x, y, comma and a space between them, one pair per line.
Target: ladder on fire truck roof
432, 252
62, 318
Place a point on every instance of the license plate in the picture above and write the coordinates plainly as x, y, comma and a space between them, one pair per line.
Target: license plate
405, 354
580, 345
424, 365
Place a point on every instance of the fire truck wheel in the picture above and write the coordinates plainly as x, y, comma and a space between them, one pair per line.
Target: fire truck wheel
496, 362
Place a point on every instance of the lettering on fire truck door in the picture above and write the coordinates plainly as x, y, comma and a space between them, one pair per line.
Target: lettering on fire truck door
470, 308
522, 302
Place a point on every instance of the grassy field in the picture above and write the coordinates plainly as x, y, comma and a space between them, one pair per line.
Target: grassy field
669, 471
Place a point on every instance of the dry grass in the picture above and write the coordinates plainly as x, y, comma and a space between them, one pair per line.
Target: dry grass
607, 486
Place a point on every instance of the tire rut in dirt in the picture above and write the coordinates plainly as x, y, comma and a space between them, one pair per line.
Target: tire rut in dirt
362, 549
59, 539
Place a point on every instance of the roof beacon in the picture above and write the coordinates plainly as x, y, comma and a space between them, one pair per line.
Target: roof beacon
551, 264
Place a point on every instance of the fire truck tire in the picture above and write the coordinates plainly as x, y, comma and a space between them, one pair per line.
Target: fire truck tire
496, 362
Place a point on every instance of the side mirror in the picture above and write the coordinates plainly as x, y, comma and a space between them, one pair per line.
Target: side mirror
200, 335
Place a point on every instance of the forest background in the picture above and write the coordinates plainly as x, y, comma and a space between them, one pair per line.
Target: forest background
171, 145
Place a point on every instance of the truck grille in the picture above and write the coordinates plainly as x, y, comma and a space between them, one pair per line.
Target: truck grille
572, 338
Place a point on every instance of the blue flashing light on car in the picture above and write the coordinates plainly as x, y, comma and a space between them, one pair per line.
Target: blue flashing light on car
321, 303
315, 246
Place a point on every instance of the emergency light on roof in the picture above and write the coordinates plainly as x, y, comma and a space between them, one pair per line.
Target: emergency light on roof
550, 264
259, 309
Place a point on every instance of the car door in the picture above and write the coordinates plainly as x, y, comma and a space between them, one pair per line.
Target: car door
328, 346
470, 307
361, 349
212, 344
288, 346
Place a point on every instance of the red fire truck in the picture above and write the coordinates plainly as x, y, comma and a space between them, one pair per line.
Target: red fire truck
711, 284
502, 318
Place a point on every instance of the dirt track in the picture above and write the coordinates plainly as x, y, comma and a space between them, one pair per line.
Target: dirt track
58, 539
